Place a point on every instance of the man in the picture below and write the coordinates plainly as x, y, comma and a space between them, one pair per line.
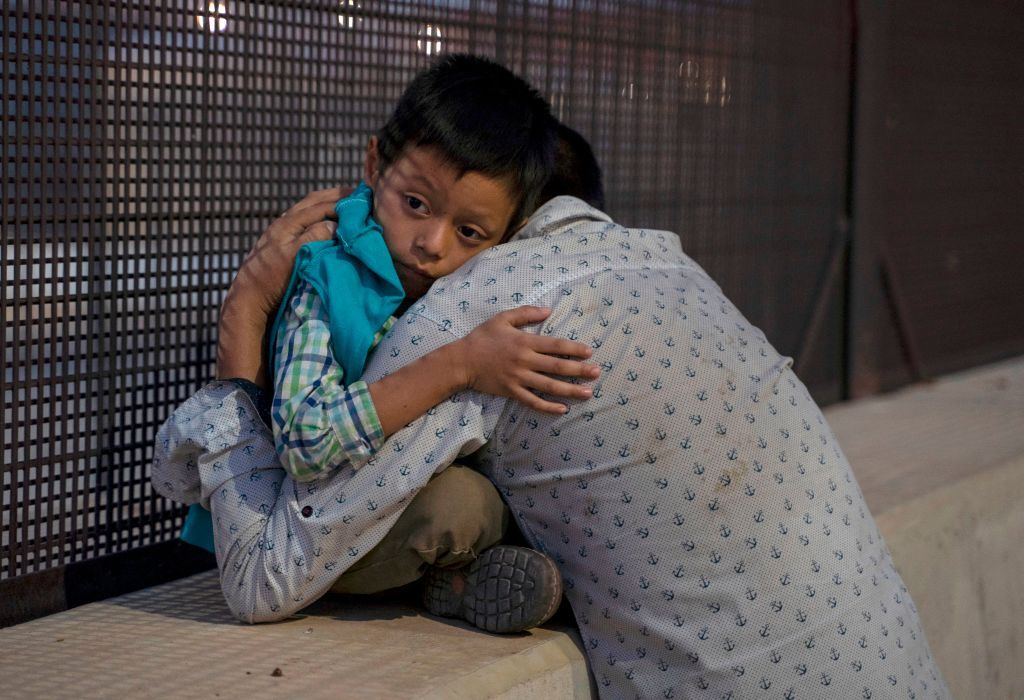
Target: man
711, 535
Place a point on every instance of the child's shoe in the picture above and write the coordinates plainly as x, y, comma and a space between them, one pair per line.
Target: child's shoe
505, 589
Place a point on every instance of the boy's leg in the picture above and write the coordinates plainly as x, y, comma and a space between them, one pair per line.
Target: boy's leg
281, 544
449, 536
452, 519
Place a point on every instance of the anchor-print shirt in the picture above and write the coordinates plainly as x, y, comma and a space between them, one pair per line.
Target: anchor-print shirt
712, 536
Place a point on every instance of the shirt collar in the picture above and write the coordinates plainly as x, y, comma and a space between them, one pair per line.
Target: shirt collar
558, 214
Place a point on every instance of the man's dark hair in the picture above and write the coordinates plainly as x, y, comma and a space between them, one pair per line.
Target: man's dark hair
576, 170
482, 118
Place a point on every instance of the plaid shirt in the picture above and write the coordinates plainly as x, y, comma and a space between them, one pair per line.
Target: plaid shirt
319, 423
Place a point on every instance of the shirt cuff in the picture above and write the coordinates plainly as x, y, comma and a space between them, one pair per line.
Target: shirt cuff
260, 398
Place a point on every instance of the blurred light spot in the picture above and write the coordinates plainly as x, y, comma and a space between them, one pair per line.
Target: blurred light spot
632, 91
429, 40
689, 71
213, 19
348, 16
704, 84
557, 96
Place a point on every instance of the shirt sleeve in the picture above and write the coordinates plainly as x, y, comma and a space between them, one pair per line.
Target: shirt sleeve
283, 544
319, 423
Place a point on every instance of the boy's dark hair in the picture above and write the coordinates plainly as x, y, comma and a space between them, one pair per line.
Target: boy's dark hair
482, 118
576, 170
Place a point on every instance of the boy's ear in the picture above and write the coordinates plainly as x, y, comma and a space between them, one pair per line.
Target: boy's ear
371, 168
513, 231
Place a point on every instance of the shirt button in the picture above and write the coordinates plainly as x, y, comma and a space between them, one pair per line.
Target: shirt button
307, 511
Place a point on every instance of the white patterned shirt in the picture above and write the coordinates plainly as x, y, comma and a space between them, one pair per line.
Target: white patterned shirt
713, 539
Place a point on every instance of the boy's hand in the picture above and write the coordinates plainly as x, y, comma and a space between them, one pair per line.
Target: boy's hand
256, 292
498, 358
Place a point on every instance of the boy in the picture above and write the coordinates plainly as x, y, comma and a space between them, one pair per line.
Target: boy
452, 173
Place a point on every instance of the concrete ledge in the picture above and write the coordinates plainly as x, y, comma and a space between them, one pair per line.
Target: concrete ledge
941, 465
959, 551
178, 640
942, 468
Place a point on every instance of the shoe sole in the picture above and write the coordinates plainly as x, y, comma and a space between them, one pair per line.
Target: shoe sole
506, 589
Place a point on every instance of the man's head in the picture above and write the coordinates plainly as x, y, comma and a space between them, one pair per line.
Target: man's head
576, 171
459, 165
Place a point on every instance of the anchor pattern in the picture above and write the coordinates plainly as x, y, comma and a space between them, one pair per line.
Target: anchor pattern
712, 537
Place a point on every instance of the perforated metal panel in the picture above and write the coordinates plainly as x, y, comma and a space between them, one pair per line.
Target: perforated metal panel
145, 145
939, 199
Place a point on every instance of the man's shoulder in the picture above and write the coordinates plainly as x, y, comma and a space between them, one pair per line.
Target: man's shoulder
567, 243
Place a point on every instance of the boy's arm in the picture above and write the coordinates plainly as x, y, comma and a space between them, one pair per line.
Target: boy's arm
496, 358
321, 425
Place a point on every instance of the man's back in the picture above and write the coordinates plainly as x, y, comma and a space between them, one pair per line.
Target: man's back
713, 539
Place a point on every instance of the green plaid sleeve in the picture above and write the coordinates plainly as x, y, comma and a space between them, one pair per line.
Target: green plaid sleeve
319, 423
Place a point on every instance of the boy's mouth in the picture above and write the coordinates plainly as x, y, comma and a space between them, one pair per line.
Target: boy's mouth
414, 272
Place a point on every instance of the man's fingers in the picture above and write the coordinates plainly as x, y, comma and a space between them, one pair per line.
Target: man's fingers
309, 215
321, 231
330, 194
290, 231
291, 226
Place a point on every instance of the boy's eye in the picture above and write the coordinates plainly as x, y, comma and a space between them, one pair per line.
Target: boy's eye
415, 203
471, 233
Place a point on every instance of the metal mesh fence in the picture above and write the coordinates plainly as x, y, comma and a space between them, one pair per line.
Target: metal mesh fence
939, 190
145, 145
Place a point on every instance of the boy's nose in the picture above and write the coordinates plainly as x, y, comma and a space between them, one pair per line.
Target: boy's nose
431, 239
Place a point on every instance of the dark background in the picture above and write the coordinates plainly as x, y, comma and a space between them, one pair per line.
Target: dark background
849, 171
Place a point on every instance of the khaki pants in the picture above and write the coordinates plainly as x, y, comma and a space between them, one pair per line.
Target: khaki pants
457, 515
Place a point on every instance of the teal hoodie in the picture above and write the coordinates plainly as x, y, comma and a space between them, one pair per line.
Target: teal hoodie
355, 278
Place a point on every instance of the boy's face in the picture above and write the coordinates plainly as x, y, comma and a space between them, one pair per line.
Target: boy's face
434, 220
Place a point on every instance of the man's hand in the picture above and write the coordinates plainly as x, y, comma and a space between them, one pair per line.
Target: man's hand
256, 292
